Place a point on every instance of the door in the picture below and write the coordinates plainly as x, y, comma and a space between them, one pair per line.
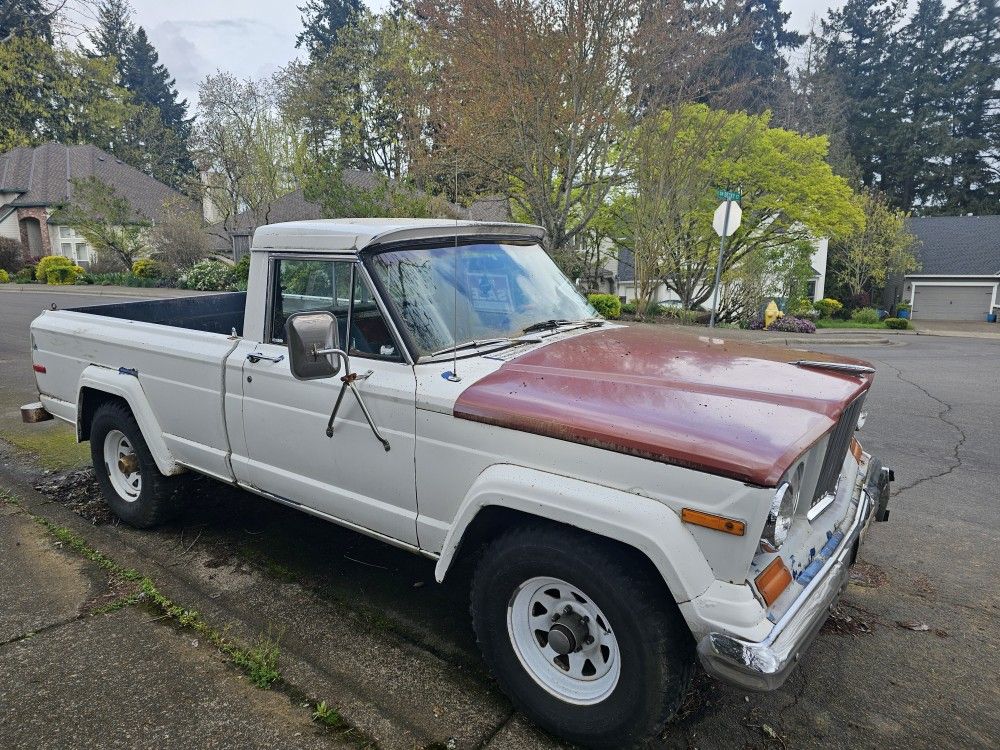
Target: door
952, 302
348, 476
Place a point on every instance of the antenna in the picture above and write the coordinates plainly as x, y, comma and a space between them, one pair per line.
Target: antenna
453, 375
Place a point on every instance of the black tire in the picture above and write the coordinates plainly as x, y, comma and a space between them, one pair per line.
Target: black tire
655, 645
157, 501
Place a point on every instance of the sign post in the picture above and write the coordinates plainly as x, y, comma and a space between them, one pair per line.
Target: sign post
726, 221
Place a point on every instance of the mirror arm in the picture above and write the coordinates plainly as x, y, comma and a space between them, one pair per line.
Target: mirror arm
347, 381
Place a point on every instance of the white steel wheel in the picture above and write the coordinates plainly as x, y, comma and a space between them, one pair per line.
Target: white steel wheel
563, 640
122, 465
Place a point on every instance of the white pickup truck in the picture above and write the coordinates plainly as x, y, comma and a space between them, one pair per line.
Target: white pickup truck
633, 499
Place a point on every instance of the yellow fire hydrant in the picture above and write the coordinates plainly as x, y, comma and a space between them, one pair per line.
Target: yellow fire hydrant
772, 313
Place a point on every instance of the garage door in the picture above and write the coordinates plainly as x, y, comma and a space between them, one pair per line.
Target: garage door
952, 302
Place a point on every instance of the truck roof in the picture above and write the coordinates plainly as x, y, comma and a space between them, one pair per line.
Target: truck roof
352, 235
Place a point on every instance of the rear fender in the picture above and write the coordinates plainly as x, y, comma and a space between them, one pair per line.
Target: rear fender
126, 386
644, 524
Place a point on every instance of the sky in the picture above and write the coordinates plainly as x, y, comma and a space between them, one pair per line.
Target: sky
254, 38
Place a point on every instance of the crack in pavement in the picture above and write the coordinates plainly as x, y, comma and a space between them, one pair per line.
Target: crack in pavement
42, 630
942, 416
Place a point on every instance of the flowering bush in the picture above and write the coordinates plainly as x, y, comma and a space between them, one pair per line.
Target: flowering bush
791, 324
209, 276
757, 324
4, 276
146, 268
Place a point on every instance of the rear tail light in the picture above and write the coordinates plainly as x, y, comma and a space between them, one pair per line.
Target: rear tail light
39, 368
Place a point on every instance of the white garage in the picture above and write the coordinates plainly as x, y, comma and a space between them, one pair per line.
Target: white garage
959, 301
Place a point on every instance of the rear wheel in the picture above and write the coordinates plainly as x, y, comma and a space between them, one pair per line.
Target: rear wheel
127, 474
582, 638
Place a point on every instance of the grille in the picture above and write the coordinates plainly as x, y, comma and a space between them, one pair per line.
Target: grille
836, 449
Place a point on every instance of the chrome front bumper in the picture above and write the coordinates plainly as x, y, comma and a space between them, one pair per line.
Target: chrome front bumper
764, 665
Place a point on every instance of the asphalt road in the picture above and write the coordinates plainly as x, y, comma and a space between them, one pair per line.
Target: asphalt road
909, 660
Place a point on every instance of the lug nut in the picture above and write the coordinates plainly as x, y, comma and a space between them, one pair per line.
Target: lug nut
567, 610
588, 640
555, 617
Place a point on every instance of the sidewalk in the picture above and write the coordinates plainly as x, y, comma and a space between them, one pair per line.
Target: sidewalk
80, 667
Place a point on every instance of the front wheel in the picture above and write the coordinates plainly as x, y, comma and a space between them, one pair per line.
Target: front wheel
127, 474
583, 640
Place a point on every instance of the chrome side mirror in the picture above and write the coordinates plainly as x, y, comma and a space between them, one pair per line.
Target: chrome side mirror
313, 345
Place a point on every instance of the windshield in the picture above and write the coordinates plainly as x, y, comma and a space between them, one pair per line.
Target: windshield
499, 290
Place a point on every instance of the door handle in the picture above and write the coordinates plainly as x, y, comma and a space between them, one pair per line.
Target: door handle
255, 357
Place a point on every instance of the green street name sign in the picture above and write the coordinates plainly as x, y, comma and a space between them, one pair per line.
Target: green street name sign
728, 195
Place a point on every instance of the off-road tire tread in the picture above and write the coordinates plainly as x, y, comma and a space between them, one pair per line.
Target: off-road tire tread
158, 500
666, 632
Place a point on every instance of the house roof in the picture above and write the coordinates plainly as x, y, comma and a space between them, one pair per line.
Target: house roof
957, 245
42, 176
626, 264
354, 234
294, 207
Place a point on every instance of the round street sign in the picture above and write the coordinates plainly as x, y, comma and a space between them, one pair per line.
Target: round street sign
719, 223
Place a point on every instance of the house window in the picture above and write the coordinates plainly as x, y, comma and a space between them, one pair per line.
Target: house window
66, 248
65, 231
811, 289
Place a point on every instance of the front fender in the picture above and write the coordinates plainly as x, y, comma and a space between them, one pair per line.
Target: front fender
642, 523
127, 387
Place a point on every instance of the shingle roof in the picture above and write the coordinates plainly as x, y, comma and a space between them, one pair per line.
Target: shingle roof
626, 265
42, 176
957, 245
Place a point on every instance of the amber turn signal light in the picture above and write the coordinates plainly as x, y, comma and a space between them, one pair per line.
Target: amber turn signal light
710, 521
856, 449
773, 580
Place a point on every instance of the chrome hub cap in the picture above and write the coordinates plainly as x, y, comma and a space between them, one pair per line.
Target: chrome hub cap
123, 466
563, 640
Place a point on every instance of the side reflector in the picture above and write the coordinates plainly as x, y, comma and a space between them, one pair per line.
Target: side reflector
38, 368
856, 450
709, 521
773, 580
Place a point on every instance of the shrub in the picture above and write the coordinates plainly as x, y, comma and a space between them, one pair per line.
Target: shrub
209, 276
241, 272
791, 324
64, 275
50, 262
679, 314
147, 268
25, 275
865, 315
897, 324
827, 307
607, 305
4, 277
11, 253
800, 309
757, 324
628, 308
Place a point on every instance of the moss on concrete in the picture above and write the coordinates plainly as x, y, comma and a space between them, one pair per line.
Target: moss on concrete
54, 445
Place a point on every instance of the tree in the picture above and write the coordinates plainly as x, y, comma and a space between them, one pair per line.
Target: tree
178, 238
155, 139
323, 20
245, 146
863, 260
26, 18
790, 197
974, 174
325, 184
360, 106
58, 94
105, 219
540, 98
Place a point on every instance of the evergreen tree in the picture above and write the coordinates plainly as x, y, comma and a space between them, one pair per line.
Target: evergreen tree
974, 175
156, 137
920, 84
25, 18
322, 20
861, 53
758, 66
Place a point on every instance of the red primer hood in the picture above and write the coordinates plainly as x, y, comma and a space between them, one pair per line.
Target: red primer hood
730, 408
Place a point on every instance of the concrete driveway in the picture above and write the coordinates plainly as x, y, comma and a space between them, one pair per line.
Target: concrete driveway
907, 660
958, 328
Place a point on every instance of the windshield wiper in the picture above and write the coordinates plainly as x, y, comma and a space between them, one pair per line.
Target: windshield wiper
547, 325
474, 344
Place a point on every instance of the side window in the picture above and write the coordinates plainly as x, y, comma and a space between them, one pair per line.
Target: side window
307, 285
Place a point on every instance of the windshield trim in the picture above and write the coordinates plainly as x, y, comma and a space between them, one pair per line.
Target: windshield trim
368, 253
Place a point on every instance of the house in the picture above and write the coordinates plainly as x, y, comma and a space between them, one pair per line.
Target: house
624, 270
960, 268
35, 181
232, 238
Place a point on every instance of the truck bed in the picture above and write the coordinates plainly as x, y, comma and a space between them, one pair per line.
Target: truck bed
211, 313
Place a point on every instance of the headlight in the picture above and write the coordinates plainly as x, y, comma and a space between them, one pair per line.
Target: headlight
779, 519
